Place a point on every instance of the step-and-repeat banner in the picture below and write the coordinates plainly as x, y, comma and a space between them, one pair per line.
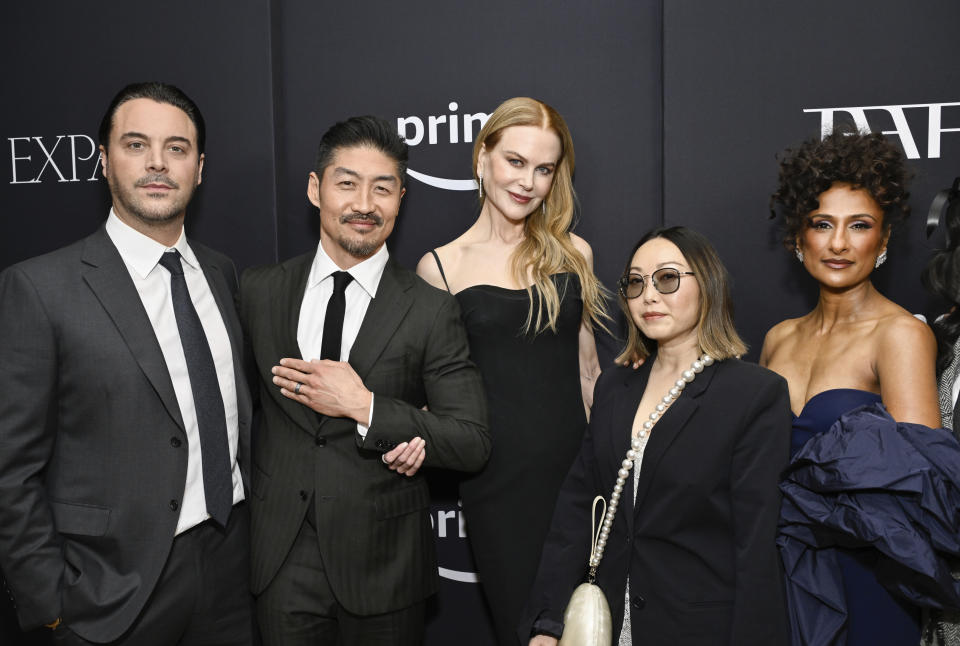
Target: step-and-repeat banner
677, 111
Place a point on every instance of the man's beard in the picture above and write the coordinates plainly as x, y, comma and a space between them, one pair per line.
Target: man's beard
360, 248
162, 212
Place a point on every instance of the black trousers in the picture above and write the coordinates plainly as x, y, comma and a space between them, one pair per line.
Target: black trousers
203, 595
299, 608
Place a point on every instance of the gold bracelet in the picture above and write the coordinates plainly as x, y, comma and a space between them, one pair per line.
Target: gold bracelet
55, 624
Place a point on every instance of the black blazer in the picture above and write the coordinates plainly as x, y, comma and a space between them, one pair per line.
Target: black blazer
699, 542
93, 452
375, 535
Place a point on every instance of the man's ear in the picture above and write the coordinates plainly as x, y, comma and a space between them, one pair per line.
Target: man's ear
313, 189
200, 169
103, 160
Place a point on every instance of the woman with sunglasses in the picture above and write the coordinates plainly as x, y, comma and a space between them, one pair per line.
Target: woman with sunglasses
688, 557
840, 196
529, 301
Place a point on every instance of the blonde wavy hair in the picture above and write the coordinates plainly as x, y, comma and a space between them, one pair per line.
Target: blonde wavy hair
546, 248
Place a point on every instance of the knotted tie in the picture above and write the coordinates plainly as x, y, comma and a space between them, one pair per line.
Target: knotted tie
333, 319
207, 400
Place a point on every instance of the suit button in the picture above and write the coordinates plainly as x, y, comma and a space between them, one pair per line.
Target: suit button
175, 442
638, 602
174, 505
380, 444
320, 440
303, 495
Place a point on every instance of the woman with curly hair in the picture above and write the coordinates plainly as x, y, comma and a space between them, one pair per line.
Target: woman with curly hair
848, 520
530, 301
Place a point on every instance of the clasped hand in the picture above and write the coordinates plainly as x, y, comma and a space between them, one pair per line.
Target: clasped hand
331, 388
334, 389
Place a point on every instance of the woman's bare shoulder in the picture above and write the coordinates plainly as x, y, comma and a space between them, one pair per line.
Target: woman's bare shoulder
777, 337
900, 328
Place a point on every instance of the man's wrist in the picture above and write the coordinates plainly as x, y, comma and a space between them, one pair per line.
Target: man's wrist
364, 413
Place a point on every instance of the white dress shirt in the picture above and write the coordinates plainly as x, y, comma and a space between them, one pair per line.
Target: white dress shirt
141, 255
361, 290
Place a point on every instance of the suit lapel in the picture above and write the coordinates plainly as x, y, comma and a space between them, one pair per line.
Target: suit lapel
228, 312
625, 410
382, 319
666, 431
287, 300
109, 280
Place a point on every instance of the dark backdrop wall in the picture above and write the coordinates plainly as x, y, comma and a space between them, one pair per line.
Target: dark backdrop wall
677, 110
742, 81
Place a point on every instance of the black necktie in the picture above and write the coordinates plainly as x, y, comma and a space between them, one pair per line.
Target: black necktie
333, 319
207, 400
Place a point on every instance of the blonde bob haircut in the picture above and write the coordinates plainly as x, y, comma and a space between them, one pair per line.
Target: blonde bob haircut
716, 333
546, 248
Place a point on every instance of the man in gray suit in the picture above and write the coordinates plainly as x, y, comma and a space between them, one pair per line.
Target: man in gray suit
349, 348
124, 420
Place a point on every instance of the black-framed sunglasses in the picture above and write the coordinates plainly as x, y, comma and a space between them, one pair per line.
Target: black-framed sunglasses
665, 280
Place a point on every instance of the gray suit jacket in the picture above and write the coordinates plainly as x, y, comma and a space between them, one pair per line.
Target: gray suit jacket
375, 535
93, 452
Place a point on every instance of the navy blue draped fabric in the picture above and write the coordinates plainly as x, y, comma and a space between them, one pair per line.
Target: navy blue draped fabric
867, 503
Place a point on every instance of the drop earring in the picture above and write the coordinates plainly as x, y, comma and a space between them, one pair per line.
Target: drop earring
882, 258
799, 253
480, 183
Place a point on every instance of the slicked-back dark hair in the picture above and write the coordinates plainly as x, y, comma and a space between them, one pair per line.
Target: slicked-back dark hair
368, 131
161, 93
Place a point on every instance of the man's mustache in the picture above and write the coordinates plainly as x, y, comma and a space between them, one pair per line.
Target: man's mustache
362, 217
157, 178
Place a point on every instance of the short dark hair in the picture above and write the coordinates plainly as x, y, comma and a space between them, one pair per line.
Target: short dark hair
161, 93
716, 333
866, 160
363, 131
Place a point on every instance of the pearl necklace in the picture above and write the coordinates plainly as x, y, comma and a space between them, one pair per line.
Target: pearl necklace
636, 443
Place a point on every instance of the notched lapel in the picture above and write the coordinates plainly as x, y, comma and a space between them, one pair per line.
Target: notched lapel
625, 410
382, 319
109, 280
285, 317
228, 312
666, 431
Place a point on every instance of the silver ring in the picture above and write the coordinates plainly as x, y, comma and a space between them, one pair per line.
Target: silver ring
297, 389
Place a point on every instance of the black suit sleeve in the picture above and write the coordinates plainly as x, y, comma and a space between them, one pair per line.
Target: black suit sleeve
759, 456
30, 549
455, 424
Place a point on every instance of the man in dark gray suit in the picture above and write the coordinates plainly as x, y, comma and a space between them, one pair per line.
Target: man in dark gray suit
349, 349
124, 420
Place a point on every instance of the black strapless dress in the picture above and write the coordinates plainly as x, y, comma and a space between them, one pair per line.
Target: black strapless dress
537, 422
871, 509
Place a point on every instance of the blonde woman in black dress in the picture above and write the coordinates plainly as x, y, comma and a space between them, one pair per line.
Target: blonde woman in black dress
530, 302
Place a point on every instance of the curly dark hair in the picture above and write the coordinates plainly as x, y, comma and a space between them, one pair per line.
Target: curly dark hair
941, 277
864, 160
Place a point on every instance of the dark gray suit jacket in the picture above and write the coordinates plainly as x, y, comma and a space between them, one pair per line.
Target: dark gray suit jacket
375, 535
93, 452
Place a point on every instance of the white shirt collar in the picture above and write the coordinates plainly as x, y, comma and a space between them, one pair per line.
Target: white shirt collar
142, 253
366, 273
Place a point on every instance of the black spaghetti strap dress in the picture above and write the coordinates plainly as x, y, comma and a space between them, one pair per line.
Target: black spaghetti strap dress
537, 421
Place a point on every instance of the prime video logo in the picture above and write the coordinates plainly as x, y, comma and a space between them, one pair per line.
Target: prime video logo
454, 128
